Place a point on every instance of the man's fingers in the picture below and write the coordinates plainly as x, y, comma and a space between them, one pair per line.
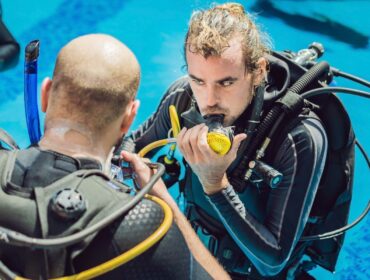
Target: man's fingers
194, 138
146, 160
180, 138
202, 141
136, 162
127, 156
187, 142
237, 140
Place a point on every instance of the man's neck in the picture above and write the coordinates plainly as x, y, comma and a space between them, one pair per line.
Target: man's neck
74, 140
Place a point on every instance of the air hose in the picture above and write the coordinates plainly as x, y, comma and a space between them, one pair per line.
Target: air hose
175, 123
172, 165
282, 109
253, 122
154, 145
290, 103
215, 136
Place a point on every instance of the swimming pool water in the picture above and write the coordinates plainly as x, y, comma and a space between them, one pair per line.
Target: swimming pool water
155, 32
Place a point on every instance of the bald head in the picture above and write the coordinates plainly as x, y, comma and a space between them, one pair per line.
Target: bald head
95, 77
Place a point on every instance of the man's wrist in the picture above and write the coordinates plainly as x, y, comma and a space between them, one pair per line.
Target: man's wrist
212, 188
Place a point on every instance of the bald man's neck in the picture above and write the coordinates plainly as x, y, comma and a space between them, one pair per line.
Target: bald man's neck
74, 140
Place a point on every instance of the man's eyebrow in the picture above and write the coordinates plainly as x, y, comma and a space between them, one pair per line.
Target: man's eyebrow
229, 79
194, 77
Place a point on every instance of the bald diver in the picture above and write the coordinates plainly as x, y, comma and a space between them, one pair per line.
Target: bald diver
62, 215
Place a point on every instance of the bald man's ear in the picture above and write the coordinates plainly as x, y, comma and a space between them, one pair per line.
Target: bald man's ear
261, 71
45, 91
130, 115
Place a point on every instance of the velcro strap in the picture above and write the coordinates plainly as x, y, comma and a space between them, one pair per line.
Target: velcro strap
292, 103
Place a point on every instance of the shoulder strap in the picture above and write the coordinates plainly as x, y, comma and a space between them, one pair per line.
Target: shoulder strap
7, 160
7, 139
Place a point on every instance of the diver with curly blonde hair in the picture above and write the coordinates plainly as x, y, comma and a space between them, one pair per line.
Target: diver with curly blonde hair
252, 231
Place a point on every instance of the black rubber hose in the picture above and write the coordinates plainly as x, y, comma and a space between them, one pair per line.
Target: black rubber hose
310, 76
264, 128
331, 90
6, 272
256, 110
340, 231
351, 77
261, 133
252, 142
274, 114
254, 120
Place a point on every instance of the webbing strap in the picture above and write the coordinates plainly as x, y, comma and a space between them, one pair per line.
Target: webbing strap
7, 139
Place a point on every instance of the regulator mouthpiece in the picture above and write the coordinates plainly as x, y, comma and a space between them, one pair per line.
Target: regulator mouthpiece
219, 138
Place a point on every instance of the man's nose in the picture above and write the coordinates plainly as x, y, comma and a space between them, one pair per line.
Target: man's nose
211, 96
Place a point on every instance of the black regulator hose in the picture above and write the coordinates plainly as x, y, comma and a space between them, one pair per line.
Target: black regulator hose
310, 76
342, 230
319, 91
276, 115
265, 127
348, 76
252, 123
256, 110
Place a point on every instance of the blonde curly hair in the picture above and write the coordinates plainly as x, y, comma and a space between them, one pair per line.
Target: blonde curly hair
210, 32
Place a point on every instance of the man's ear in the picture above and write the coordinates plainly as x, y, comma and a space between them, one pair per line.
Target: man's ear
130, 115
261, 71
45, 91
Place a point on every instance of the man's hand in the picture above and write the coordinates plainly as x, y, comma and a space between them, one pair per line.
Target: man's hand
199, 251
205, 163
143, 174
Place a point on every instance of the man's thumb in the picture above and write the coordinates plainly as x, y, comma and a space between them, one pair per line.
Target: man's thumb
237, 140
127, 156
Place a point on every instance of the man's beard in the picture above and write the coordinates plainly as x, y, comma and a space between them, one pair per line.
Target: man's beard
214, 110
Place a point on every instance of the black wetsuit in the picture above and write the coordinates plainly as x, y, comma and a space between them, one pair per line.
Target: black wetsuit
253, 232
170, 258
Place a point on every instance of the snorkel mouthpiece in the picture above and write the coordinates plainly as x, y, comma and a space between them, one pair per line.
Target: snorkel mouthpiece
219, 138
32, 51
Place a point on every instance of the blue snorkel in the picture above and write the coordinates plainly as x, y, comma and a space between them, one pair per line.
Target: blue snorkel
30, 91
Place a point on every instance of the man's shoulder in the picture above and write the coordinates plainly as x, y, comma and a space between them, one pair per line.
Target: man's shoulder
178, 94
179, 89
309, 124
180, 85
306, 130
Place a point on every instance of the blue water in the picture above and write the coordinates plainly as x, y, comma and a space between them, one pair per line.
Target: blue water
155, 32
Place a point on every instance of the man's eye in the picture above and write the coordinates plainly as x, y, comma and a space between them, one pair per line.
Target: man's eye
226, 83
198, 82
